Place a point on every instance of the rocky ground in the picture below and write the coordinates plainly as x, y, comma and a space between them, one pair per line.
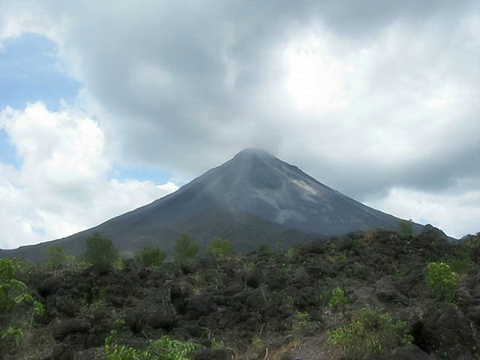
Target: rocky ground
265, 305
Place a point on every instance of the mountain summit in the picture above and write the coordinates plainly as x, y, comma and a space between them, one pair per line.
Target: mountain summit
251, 199
257, 183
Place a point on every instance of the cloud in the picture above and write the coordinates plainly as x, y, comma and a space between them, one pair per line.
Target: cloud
63, 183
193, 86
372, 98
455, 211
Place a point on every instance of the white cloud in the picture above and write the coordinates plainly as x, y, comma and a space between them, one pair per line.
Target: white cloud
316, 81
456, 212
62, 186
17, 17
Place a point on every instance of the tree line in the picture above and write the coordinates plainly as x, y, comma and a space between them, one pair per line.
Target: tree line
100, 250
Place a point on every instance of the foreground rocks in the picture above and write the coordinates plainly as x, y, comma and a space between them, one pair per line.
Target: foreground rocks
267, 305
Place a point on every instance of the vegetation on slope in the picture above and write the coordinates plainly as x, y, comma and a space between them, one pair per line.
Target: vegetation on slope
374, 295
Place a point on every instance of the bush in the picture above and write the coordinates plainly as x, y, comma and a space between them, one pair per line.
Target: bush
169, 349
185, 248
12, 291
220, 248
461, 263
370, 332
151, 256
115, 351
57, 258
472, 245
100, 250
338, 299
442, 281
264, 248
165, 348
405, 228
14, 300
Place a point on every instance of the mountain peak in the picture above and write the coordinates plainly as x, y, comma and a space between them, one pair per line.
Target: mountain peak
253, 152
254, 197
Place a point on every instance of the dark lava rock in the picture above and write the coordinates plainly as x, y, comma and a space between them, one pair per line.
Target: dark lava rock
256, 299
49, 286
316, 247
410, 352
90, 354
155, 311
71, 326
445, 328
99, 270
66, 305
61, 352
218, 354
386, 292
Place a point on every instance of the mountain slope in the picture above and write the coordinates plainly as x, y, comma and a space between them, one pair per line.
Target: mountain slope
254, 198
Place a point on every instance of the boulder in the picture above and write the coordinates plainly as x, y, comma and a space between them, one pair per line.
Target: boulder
410, 352
155, 311
386, 292
49, 286
71, 326
209, 354
61, 352
444, 328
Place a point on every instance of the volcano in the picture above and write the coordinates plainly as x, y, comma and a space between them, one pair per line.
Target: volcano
252, 199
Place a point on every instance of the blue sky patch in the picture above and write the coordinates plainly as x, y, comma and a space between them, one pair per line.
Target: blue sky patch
141, 174
30, 71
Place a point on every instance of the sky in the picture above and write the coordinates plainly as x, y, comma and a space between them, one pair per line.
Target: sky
106, 106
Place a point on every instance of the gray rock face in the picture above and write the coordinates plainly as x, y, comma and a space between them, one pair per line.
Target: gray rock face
252, 199
257, 183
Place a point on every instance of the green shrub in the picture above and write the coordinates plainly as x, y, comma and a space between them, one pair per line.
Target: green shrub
405, 228
442, 281
302, 324
164, 348
291, 252
461, 263
17, 306
472, 245
338, 299
100, 250
185, 248
57, 258
13, 292
264, 248
219, 248
151, 256
169, 349
114, 351
369, 332
337, 259
11, 337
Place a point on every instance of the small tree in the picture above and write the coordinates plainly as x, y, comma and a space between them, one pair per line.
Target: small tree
57, 258
405, 228
15, 303
185, 248
220, 248
100, 250
151, 256
12, 290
